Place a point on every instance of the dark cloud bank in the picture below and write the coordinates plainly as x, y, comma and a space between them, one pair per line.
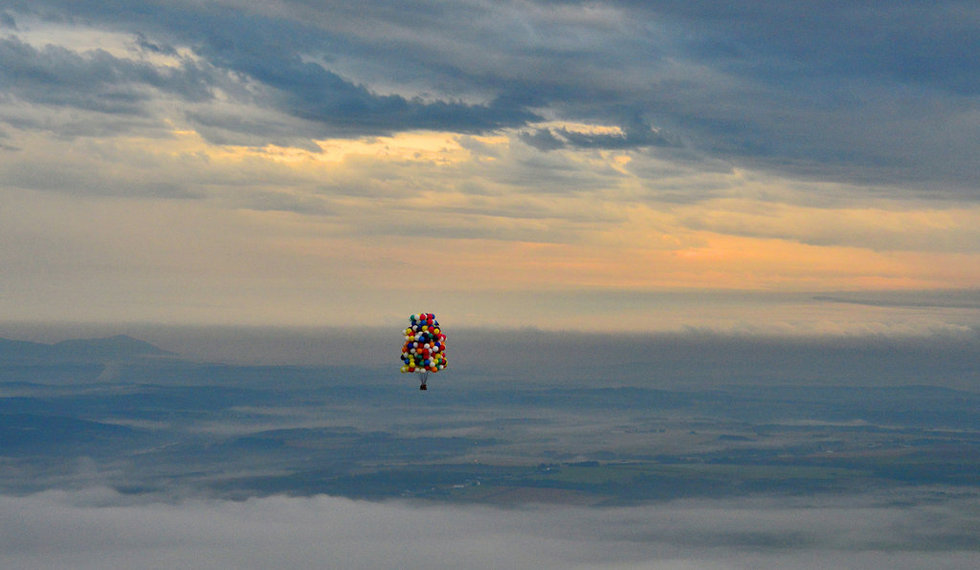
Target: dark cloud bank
835, 90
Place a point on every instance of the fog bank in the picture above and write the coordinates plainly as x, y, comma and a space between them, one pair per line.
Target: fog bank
100, 529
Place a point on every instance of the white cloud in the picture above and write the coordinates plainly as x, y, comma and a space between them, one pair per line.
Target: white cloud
97, 528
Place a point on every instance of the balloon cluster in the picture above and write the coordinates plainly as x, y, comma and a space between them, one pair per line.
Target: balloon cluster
425, 345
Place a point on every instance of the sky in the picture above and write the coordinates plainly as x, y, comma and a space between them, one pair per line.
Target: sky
781, 166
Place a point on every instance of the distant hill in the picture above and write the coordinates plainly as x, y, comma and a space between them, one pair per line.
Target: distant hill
119, 347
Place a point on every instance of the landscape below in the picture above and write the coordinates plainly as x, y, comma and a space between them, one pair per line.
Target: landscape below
122, 413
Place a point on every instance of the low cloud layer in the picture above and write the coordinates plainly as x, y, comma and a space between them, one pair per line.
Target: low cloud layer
99, 529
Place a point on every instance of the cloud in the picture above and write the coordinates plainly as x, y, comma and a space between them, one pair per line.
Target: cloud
850, 41
93, 81
910, 228
99, 529
884, 95
962, 299
309, 91
558, 146
636, 134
